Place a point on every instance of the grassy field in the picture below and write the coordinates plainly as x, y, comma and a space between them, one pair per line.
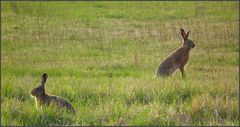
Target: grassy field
102, 56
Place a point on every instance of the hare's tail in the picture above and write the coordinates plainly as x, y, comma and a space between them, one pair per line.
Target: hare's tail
72, 109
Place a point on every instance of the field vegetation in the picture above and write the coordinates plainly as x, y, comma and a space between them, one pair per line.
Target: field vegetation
102, 57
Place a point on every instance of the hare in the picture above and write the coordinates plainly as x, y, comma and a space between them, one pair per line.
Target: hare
178, 59
43, 98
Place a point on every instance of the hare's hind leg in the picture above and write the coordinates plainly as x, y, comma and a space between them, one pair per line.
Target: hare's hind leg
182, 72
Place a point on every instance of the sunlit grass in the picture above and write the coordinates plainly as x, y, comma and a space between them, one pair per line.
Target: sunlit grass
102, 56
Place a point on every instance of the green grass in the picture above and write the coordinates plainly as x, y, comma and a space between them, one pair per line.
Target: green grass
102, 56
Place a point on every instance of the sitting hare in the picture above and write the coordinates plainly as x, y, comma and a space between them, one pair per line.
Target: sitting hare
43, 98
177, 59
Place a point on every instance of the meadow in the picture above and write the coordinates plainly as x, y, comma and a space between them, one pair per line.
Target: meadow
102, 57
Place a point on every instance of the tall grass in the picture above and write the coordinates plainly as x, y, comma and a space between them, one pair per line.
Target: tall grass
102, 56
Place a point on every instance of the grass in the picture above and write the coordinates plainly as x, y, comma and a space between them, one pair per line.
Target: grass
102, 56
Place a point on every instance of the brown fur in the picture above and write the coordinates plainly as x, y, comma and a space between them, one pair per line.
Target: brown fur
178, 59
43, 98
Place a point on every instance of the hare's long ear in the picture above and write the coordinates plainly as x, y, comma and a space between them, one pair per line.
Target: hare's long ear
187, 34
44, 79
184, 35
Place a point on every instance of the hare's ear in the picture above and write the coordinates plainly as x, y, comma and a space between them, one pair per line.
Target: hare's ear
187, 34
44, 79
184, 35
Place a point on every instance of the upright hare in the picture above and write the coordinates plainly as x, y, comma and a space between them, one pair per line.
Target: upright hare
43, 98
177, 59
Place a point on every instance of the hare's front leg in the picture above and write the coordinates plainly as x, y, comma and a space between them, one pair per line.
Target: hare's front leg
182, 71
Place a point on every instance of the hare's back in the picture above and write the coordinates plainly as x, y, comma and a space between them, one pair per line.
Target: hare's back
167, 67
61, 101
66, 105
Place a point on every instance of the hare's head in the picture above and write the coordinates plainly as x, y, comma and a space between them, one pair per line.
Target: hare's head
40, 90
187, 42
